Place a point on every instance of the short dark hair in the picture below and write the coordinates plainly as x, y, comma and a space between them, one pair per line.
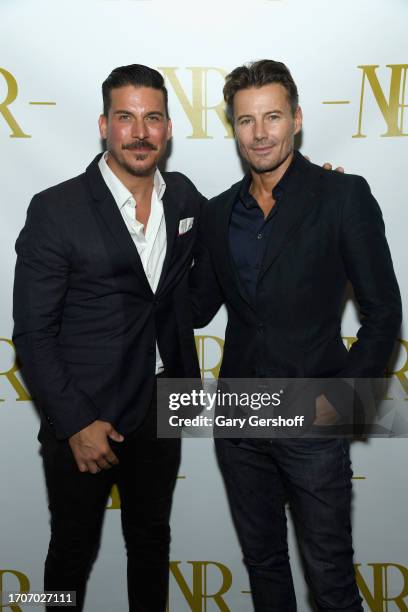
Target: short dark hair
257, 74
136, 75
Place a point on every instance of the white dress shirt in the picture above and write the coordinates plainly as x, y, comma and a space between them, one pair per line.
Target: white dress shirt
151, 244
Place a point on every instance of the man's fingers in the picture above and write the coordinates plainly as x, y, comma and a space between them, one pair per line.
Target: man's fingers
79, 460
328, 166
103, 464
93, 467
97, 463
82, 467
106, 459
112, 458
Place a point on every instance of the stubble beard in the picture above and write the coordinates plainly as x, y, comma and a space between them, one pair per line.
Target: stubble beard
134, 171
272, 167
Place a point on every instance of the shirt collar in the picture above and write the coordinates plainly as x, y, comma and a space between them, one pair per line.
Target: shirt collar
120, 193
249, 201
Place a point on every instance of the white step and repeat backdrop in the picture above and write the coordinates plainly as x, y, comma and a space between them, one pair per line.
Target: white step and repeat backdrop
350, 61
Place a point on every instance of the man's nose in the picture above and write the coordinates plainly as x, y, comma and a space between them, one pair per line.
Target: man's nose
139, 129
259, 129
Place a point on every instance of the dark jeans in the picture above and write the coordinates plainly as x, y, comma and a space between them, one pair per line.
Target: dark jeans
314, 475
146, 476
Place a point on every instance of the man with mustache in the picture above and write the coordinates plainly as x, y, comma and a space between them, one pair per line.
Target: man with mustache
101, 311
278, 248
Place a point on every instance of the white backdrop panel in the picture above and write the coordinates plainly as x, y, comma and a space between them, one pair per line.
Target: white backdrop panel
60, 52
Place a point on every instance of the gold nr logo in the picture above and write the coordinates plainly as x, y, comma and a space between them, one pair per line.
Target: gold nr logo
9, 84
9, 368
13, 581
384, 586
391, 104
196, 103
195, 589
10, 97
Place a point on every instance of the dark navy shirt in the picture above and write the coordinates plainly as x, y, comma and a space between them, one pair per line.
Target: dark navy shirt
249, 230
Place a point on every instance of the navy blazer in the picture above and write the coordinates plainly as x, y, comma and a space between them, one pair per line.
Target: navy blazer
86, 319
328, 231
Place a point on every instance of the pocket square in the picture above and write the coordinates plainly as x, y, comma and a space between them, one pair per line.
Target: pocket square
185, 225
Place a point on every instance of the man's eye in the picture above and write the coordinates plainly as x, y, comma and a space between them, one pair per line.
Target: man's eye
245, 121
153, 118
273, 117
124, 117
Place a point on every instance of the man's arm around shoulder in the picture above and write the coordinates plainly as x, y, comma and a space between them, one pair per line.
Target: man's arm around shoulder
205, 291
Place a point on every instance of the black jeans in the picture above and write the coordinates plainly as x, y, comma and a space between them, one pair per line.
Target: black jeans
146, 476
314, 475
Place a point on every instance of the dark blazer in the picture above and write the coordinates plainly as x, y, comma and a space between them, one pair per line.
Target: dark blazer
86, 319
328, 231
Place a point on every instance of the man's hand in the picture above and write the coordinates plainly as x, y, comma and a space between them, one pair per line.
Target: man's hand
326, 414
328, 166
91, 449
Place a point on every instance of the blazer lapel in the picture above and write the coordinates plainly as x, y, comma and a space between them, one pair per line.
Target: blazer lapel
110, 214
171, 208
225, 257
297, 202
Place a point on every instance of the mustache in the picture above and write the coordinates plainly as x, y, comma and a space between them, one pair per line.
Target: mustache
139, 144
262, 142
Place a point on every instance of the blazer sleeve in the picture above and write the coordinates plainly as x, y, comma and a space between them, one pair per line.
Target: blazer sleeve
205, 291
40, 287
369, 267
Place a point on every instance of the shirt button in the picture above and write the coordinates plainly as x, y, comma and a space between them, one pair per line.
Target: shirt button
259, 236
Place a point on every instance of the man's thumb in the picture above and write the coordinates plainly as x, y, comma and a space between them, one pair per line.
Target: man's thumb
115, 435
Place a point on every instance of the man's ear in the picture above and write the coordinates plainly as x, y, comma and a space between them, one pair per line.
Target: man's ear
103, 126
298, 119
169, 129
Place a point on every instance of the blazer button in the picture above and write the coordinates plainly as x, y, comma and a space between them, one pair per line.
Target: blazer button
260, 327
